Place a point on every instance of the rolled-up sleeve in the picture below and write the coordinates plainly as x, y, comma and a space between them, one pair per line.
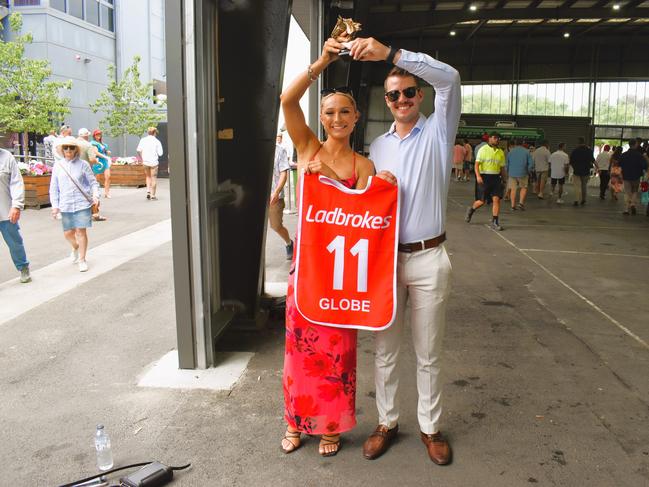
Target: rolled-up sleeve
445, 80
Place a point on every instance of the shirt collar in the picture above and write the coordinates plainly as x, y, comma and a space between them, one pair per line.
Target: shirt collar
419, 126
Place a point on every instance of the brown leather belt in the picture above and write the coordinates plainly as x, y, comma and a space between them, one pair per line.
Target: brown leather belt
422, 244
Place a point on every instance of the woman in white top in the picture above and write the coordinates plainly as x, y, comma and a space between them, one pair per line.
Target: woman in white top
150, 149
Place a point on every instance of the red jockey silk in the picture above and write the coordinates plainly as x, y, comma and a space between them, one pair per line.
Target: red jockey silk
345, 268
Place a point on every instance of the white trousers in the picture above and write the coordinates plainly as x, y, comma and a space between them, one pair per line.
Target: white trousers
423, 280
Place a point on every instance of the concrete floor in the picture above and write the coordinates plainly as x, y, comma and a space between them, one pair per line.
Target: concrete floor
546, 364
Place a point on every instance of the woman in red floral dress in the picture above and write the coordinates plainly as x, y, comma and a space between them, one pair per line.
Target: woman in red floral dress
320, 362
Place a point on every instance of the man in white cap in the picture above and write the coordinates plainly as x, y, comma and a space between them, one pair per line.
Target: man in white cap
88, 153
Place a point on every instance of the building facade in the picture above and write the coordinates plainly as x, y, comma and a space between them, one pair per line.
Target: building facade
81, 38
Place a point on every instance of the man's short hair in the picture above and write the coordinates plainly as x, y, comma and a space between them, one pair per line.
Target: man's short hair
544, 142
581, 140
561, 145
633, 143
494, 134
152, 131
516, 142
403, 73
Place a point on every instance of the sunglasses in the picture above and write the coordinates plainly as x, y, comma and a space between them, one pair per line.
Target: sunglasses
69, 147
341, 89
408, 93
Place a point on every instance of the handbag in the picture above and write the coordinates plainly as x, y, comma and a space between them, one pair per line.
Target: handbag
644, 191
94, 207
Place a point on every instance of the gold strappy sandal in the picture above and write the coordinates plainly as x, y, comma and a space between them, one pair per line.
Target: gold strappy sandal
288, 436
329, 440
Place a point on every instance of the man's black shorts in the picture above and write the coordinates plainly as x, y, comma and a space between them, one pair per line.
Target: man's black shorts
491, 186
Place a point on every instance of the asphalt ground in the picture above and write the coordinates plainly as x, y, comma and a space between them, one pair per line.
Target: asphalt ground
545, 373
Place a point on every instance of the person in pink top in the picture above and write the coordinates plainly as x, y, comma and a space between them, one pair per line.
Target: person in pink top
468, 160
459, 153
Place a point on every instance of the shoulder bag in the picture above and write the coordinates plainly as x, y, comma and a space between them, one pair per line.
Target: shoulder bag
94, 206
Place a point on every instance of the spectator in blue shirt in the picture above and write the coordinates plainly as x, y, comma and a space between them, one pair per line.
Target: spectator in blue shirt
519, 166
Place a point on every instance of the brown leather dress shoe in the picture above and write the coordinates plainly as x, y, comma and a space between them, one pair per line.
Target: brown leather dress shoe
438, 448
379, 441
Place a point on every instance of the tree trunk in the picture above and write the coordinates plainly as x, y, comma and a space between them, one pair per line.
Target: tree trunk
25, 135
124, 148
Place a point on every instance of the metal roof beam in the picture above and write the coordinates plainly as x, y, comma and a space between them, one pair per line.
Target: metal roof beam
384, 24
475, 30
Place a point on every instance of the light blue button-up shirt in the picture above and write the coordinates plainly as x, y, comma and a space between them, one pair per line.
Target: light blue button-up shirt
421, 161
64, 195
519, 162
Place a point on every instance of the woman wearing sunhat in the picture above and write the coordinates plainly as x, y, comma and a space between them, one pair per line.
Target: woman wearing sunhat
73, 191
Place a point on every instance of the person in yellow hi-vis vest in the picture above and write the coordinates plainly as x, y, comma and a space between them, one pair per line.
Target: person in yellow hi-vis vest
489, 174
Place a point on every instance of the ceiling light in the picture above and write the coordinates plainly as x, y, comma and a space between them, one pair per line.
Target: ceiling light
616, 6
452, 33
566, 34
473, 8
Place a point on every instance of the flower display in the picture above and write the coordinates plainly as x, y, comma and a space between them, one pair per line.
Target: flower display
125, 161
34, 169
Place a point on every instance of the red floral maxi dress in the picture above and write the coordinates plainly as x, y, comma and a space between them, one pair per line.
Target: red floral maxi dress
319, 371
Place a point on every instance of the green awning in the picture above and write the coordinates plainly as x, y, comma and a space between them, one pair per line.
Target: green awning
506, 133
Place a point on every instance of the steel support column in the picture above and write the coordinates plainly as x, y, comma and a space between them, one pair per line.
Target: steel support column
223, 107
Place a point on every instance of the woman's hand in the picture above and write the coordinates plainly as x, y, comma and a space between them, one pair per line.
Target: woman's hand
318, 167
331, 48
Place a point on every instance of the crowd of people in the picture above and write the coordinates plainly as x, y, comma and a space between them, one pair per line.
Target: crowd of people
74, 190
501, 173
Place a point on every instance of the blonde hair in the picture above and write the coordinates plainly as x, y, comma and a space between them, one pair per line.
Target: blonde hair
152, 131
346, 95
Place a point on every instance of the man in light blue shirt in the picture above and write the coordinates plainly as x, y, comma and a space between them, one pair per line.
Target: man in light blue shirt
12, 201
484, 141
519, 166
416, 152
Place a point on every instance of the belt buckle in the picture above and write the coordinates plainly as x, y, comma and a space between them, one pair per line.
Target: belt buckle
423, 244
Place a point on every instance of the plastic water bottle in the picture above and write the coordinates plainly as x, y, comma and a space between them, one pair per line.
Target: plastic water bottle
102, 445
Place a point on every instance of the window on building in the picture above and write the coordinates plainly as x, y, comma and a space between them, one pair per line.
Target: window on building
91, 8
622, 103
75, 8
106, 17
554, 99
23, 3
495, 99
58, 5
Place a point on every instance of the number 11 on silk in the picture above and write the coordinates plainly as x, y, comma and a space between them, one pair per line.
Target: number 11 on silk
345, 274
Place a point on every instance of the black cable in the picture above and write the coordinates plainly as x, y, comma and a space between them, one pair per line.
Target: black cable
76, 482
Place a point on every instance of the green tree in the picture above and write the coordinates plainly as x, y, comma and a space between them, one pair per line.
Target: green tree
29, 102
128, 104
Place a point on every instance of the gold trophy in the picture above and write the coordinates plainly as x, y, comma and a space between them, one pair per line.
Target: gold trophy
345, 26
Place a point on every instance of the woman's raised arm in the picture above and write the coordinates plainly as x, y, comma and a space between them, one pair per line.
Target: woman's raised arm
300, 133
